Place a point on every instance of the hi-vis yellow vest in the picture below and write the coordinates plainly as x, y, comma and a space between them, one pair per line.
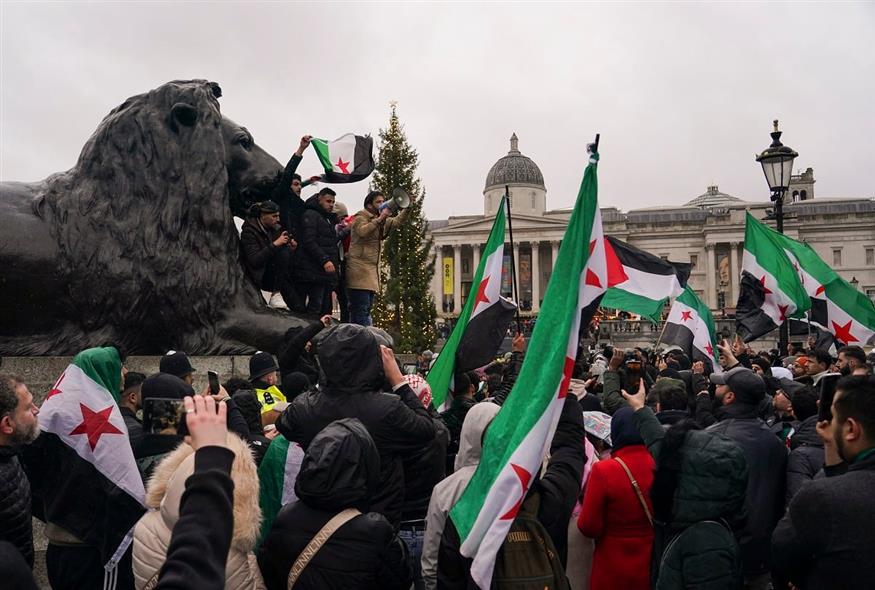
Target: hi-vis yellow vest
269, 397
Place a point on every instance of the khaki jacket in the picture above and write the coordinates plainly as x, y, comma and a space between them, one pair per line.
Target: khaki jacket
363, 259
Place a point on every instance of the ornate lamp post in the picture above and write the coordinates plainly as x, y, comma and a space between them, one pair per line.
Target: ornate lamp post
777, 162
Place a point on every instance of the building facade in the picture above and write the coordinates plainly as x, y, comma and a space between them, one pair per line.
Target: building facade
707, 232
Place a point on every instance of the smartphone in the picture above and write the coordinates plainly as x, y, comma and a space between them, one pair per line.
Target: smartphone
162, 415
213, 378
632, 379
409, 368
827, 387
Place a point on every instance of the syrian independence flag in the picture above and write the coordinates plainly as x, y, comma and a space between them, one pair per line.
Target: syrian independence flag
836, 306
82, 469
641, 282
690, 325
771, 290
277, 475
483, 322
349, 158
520, 434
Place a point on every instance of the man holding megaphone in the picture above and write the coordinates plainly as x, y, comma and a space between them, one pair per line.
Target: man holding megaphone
372, 225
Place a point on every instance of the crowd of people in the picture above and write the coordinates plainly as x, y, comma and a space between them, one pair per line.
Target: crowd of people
307, 253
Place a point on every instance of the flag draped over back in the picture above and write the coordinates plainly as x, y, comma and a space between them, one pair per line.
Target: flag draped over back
518, 438
83, 474
690, 325
771, 290
641, 282
349, 158
276, 477
483, 322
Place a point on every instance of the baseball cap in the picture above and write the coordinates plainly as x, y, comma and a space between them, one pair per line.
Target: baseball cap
747, 386
175, 362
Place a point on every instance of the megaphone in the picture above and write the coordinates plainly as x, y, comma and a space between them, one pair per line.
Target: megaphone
400, 200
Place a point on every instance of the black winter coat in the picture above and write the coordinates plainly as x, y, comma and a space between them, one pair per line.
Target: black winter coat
317, 244
15, 521
806, 456
399, 424
767, 467
422, 472
293, 357
256, 248
291, 205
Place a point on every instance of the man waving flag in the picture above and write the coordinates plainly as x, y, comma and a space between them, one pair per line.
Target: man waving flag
349, 158
483, 322
518, 438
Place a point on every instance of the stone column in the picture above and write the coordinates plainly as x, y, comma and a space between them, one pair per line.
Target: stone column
554, 245
457, 278
734, 273
710, 278
438, 279
516, 268
536, 276
475, 248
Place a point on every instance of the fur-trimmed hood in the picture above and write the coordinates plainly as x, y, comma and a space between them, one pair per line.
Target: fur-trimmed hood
167, 484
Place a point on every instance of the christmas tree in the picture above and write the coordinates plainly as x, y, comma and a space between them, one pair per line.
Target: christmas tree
404, 307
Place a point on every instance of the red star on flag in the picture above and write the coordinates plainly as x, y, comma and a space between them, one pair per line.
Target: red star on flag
55, 389
819, 291
843, 333
763, 283
344, 166
566, 377
525, 478
710, 350
783, 309
592, 279
94, 424
481, 293
686, 315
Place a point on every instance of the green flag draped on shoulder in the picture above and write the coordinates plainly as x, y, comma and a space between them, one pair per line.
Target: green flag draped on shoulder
483, 322
276, 478
519, 436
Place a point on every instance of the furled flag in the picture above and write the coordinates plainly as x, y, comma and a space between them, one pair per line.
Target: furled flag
641, 282
836, 306
771, 290
520, 434
482, 325
690, 325
276, 476
83, 475
349, 158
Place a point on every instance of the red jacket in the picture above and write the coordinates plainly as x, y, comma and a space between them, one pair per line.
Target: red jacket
612, 515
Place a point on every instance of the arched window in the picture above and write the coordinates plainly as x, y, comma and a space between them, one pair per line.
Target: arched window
803, 195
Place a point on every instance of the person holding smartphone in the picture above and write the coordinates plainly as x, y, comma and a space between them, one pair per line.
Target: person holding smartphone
266, 249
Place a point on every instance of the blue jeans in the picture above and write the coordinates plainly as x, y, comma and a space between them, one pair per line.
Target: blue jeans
360, 302
413, 537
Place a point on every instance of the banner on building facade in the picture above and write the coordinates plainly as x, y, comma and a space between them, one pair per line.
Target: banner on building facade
448, 276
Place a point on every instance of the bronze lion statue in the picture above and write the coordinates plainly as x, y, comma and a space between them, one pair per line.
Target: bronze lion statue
136, 244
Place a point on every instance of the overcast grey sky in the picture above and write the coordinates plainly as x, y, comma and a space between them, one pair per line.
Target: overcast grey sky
683, 94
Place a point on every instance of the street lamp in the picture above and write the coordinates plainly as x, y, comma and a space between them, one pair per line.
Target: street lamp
777, 162
855, 283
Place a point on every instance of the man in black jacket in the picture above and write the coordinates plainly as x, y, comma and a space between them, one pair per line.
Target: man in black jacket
318, 258
827, 537
806, 448
355, 370
287, 192
130, 402
266, 251
18, 426
738, 394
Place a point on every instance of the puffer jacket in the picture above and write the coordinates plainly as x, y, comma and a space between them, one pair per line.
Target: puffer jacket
352, 388
317, 244
806, 456
698, 548
165, 489
340, 470
15, 521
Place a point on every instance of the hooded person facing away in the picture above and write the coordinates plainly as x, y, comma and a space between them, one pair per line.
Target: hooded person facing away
356, 371
341, 470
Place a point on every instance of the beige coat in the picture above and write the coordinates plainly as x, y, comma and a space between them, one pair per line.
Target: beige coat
165, 489
363, 259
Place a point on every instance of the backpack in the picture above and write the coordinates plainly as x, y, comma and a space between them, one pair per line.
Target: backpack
527, 559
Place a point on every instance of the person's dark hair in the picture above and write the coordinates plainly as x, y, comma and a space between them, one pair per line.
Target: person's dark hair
804, 403
821, 357
762, 364
369, 200
857, 401
250, 409
8, 398
461, 383
854, 352
133, 379
327, 191
296, 176
608, 351
671, 398
672, 364
494, 383
668, 468
682, 360
235, 384
796, 348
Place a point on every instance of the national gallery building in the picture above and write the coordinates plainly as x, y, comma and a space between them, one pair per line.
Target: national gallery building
707, 232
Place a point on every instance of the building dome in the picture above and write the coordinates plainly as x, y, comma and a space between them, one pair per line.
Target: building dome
713, 198
514, 169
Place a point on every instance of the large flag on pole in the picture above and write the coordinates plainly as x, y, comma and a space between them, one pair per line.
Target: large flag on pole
349, 158
641, 282
690, 326
482, 325
82, 469
771, 290
519, 437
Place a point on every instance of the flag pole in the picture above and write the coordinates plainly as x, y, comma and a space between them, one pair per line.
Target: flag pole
514, 287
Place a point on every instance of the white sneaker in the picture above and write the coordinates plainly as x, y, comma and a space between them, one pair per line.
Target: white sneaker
277, 301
